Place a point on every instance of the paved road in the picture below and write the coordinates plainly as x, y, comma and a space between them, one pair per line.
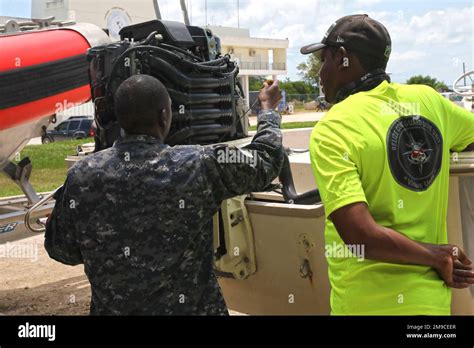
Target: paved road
299, 117
35, 141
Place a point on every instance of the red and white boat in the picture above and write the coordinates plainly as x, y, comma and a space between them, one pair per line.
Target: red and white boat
41, 71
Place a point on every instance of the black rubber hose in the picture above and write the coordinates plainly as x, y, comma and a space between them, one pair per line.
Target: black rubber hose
288, 187
149, 38
166, 53
190, 55
192, 65
198, 99
232, 72
219, 61
202, 115
180, 79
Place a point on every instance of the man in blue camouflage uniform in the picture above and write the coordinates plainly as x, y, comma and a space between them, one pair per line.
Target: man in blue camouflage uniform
139, 215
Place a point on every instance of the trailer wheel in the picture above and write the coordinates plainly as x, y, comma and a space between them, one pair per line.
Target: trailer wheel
47, 140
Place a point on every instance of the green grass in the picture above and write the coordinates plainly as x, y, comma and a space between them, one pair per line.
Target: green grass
49, 166
292, 125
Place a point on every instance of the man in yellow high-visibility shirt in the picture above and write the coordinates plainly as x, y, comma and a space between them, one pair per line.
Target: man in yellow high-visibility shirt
381, 161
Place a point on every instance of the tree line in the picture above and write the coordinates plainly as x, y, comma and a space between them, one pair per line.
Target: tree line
309, 72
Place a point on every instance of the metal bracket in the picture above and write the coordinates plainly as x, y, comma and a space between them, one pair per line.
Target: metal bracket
235, 256
20, 173
35, 207
305, 245
43, 22
13, 26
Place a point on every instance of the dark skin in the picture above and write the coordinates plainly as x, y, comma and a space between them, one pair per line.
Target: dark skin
355, 224
161, 128
335, 74
469, 148
270, 95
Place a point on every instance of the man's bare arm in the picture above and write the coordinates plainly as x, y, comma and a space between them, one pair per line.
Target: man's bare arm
356, 226
469, 148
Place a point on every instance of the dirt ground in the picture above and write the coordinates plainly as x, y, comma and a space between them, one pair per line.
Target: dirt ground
38, 285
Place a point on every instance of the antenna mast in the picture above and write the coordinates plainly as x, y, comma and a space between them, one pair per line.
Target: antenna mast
157, 9
185, 12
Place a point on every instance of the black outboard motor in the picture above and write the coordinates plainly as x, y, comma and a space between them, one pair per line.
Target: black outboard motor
207, 98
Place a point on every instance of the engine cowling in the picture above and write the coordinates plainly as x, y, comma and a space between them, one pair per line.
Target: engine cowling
207, 99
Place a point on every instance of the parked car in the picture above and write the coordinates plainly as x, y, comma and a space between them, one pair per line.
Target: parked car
77, 127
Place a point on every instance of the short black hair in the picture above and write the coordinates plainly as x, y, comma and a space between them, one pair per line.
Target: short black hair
368, 62
138, 102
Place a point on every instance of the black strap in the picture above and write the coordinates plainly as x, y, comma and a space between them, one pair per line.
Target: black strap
365, 83
24, 85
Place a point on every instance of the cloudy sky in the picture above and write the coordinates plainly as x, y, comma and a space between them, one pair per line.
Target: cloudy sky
430, 37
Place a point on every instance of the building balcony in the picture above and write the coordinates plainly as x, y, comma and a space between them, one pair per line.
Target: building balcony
262, 66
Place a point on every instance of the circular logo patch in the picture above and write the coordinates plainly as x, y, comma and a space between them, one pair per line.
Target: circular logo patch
415, 152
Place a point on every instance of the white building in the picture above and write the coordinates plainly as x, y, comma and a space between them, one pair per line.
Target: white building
256, 56
38, 9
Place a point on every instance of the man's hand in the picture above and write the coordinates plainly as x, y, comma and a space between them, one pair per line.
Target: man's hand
270, 95
454, 267
356, 226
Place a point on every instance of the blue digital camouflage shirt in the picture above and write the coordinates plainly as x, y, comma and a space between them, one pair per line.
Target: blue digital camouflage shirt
139, 217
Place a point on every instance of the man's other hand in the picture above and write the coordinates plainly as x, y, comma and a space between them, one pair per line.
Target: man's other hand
270, 95
454, 266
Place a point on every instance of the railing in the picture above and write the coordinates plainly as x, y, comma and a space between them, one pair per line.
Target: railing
262, 66
13, 26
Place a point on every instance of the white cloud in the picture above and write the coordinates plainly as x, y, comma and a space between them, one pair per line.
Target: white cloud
365, 3
407, 56
450, 26
422, 43
432, 43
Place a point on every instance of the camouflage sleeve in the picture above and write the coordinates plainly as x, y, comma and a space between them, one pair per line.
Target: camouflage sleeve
231, 171
60, 238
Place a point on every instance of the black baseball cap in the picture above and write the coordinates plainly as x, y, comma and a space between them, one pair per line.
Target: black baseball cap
358, 33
